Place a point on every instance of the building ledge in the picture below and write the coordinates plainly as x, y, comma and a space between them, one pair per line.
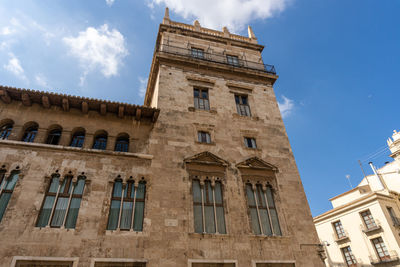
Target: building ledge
388, 259
74, 149
372, 229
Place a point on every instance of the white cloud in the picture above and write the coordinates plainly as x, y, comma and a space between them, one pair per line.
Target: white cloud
41, 80
286, 107
110, 2
235, 14
142, 86
14, 66
98, 49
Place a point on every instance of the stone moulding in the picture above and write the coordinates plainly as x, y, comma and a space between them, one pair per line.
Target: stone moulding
76, 149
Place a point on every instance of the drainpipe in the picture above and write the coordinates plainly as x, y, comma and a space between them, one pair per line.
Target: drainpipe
381, 181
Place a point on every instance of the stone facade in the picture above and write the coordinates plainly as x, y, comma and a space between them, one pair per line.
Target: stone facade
165, 152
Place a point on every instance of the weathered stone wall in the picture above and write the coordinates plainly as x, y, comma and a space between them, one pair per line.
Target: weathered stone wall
168, 238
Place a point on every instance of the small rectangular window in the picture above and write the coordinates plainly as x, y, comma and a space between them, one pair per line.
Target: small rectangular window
197, 52
232, 60
381, 249
368, 219
201, 99
242, 105
340, 233
204, 137
119, 264
395, 220
250, 142
43, 263
349, 257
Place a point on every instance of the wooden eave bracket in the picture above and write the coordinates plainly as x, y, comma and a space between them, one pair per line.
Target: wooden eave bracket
65, 104
45, 101
155, 115
121, 111
26, 100
138, 114
103, 109
5, 96
85, 107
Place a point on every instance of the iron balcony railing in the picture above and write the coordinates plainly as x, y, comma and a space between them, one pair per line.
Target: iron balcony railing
217, 58
391, 257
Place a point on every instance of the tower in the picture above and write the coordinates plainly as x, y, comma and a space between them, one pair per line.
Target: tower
229, 189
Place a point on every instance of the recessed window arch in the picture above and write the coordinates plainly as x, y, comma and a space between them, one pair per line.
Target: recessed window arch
54, 135
262, 210
78, 137
100, 140
62, 201
208, 207
30, 132
7, 185
122, 143
127, 205
6, 127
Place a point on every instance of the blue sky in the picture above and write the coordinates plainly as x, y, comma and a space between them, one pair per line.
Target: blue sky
338, 62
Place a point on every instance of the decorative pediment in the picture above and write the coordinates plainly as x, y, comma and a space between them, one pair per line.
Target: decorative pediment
256, 163
207, 158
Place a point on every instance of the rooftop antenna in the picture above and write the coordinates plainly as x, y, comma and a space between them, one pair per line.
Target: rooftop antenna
348, 179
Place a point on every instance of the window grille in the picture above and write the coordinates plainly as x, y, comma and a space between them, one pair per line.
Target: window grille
62, 201
250, 142
242, 105
201, 99
263, 215
349, 257
54, 137
78, 139
5, 131
197, 52
100, 142
6, 189
208, 207
380, 249
232, 60
30, 134
127, 206
368, 219
122, 144
204, 137
340, 233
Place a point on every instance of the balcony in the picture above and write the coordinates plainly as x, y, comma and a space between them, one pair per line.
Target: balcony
342, 238
372, 228
392, 257
217, 58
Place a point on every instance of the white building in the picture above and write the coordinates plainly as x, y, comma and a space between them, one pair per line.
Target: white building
363, 228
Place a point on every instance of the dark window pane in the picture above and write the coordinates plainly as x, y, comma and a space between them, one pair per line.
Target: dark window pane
78, 189
126, 215
78, 139
272, 209
73, 211
100, 142
12, 180
5, 131
117, 191
4, 198
139, 214
54, 137
210, 220
122, 145
45, 213
30, 134
114, 214
198, 219
59, 212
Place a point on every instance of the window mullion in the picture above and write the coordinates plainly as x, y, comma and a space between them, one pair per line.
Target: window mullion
120, 207
202, 206
54, 203
69, 204
215, 209
258, 212
133, 206
269, 212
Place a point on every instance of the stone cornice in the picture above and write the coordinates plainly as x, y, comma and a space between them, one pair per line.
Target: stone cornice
66, 102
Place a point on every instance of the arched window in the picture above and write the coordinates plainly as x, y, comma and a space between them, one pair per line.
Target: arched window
263, 214
64, 210
122, 144
132, 212
30, 134
208, 207
5, 131
78, 139
54, 137
100, 142
6, 189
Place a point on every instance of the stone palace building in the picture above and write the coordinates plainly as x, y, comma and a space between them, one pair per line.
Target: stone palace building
201, 175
